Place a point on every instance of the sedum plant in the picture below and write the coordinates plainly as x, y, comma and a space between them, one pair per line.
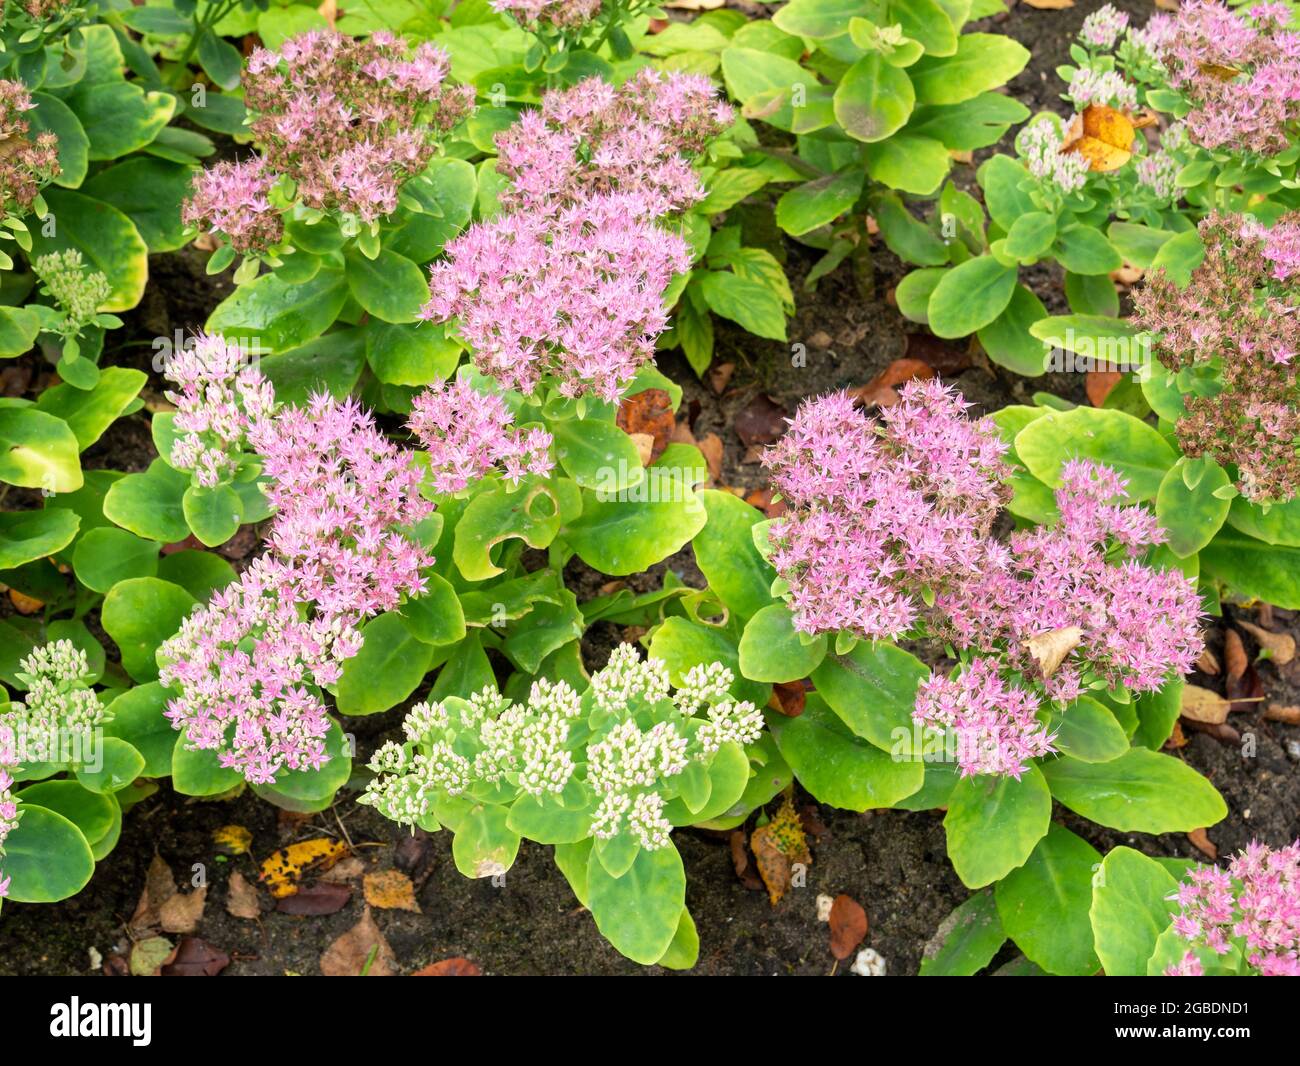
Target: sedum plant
1129, 915
1069, 639
1216, 371
888, 91
65, 760
603, 775
1093, 193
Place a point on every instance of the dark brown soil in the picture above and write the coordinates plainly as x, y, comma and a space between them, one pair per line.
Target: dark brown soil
892, 862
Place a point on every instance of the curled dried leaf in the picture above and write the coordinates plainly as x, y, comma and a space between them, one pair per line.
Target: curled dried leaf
1049, 649
1280, 646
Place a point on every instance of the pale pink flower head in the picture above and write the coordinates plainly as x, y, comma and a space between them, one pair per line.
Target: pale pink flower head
233, 199
344, 495
577, 298
560, 14
1241, 73
470, 434
348, 121
249, 664
1240, 320
220, 395
1138, 625
638, 139
991, 721
1102, 28
28, 163
1254, 903
882, 512
8, 805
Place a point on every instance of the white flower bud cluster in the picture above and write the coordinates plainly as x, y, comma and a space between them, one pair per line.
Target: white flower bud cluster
406, 784
647, 822
709, 687
529, 741
736, 722
399, 799
59, 661
59, 702
703, 685
484, 705
627, 676
425, 719
627, 761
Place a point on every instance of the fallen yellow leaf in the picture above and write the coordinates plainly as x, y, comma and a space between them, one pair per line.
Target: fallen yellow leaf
233, 839
777, 847
282, 870
1102, 135
390, 890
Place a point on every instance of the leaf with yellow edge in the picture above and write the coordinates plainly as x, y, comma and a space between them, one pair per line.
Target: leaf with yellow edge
1102, 135
232, 839
283, 869
777, 847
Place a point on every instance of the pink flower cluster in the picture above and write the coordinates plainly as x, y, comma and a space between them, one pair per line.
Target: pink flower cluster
26, 163
560, 14
469, 433
881, 512
993, 722
222, 395
251, 657
568, 283
342, 493
1237, 322
577, 297
1135, 625
638, 138
889, 533
234, 199
1241, 73
1255, 901
345, 121
246, 665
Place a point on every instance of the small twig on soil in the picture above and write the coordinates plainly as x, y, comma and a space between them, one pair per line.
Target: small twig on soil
342, 828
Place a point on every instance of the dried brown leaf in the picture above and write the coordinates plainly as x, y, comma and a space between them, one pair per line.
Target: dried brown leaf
1234, 654
1049, 649
649, 411
1202, 705
183, 911
196, 958
1203, 843
159, 887
241, 898
1280, 646
324, 897
1098, 385
362, 947
761, 421
457, 967
848, 926
719, 376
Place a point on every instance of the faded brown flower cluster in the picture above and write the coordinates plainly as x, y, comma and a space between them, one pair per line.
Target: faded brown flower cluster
1238, 322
